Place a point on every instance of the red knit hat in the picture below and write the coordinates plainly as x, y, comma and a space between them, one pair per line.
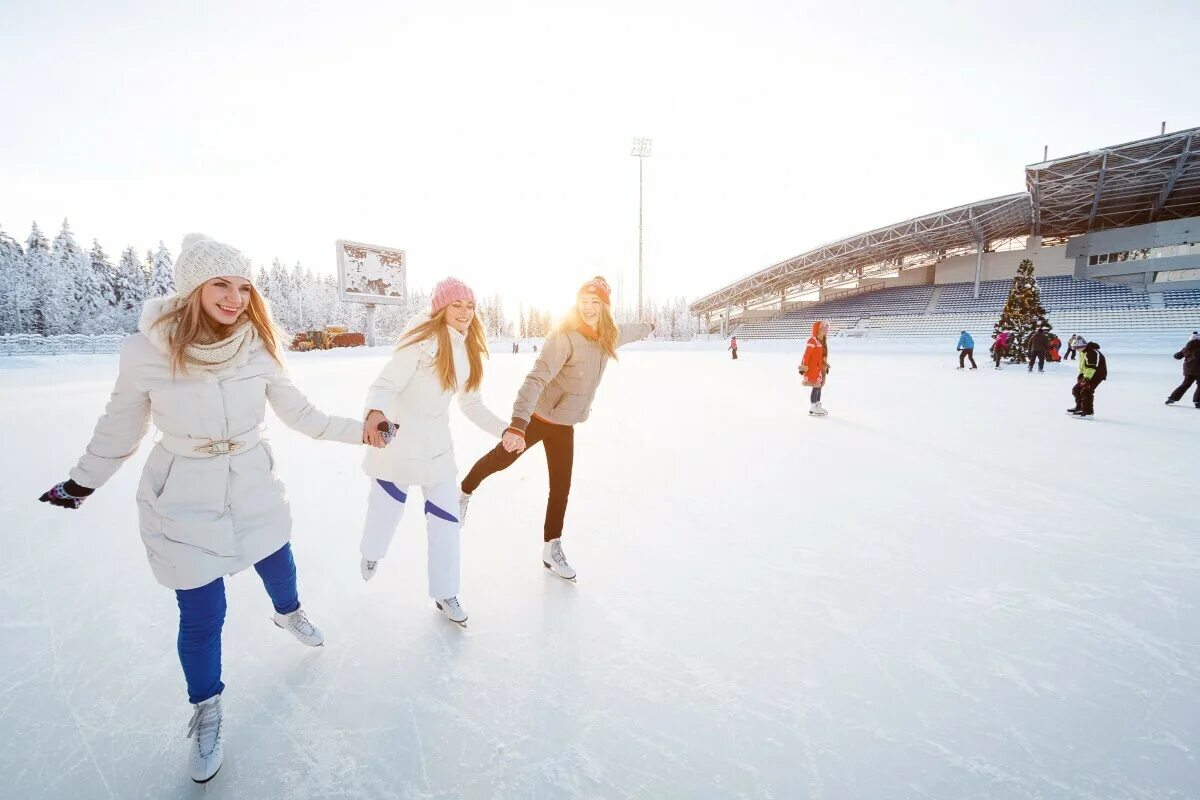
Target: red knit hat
447, 292
597, 287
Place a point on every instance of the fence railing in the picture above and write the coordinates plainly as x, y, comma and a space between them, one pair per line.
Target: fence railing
28, 344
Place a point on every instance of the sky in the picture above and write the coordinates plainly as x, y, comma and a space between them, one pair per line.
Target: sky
492, 140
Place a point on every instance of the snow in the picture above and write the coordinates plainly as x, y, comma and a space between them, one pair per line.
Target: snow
946, 589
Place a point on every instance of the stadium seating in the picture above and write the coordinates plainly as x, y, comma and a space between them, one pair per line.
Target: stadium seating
1077, 305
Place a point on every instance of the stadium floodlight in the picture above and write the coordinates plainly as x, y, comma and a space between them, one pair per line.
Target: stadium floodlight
641, 151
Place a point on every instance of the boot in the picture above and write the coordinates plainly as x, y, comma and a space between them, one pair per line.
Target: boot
297, 624
205, 731
555, 560
817, 410
367, 568
453, 610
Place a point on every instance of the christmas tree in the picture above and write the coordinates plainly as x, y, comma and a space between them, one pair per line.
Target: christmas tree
1023, 314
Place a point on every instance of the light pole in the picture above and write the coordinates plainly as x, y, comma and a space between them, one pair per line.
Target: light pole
641, 151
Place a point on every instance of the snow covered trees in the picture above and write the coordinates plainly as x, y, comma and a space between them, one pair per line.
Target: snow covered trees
1023, 313
16, 292
162, 273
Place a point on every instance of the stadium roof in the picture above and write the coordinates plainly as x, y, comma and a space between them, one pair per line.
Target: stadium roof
919, 240
1128, 184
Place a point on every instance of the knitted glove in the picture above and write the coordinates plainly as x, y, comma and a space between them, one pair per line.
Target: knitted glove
67, 494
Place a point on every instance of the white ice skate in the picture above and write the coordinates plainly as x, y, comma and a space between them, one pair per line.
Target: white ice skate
368, 569
817, 410
464, 500
555, 560
205, 732
453, 610
297, 624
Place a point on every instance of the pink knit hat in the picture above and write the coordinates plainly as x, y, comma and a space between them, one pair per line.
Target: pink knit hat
447, 292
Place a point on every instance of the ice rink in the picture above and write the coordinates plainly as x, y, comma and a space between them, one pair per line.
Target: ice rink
946, 589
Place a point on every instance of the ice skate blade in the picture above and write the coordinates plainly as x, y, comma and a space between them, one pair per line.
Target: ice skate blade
209, 778
555, 574
441, 610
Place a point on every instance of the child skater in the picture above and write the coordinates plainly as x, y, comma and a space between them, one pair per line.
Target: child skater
440, 355
204, 364
556, 395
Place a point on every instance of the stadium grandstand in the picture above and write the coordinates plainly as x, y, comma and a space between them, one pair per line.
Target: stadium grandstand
1114, 236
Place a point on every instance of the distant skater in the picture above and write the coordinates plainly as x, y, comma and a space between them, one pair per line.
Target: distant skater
733, 346
814, 366
1053, 354
999, 348
966, 349
1074, 345
1093, 370
1038, 344
1190, 355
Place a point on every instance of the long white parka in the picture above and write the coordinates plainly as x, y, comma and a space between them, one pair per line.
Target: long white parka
202, 518
409, 394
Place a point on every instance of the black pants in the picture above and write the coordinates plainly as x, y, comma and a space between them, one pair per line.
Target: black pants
734, 354
1071, 353
1038, 357
1085, 396
559, 441
1182, 388
815, 395
964, 354
997, 354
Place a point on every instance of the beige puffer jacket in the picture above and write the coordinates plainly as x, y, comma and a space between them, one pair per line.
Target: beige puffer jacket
562, 384
202, 518
409, 394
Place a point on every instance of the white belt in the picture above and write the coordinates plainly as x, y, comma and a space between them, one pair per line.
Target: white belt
203, 447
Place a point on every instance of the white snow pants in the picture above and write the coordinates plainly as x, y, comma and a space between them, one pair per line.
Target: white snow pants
385, 508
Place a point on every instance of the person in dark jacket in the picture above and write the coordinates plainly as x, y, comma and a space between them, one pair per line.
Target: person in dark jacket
733, 346
1038, 343
1190, 355
1093, 370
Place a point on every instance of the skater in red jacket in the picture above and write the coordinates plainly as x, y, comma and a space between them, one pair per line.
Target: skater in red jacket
814, 366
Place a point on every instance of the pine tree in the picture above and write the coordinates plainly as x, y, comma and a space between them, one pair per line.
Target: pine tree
45, 284
63, 298
131, 290
16, 292
1023, 313
162, 272
96, 300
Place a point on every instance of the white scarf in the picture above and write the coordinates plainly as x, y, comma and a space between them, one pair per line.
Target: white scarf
211, 356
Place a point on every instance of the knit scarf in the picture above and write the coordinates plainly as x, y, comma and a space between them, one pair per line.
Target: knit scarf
203, 356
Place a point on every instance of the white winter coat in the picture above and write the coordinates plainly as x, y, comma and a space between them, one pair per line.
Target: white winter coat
409, 394
202, 518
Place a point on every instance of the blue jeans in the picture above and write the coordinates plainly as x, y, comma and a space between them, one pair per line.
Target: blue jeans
202, 615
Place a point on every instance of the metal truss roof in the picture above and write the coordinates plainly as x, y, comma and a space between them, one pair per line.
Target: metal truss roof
922, 240
1127, 184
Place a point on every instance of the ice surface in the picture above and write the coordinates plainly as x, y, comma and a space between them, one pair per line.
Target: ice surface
946, 589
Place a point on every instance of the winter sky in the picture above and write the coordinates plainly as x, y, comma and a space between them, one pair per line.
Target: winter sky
491, 140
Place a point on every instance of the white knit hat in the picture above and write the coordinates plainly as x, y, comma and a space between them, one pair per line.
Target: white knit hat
203, 259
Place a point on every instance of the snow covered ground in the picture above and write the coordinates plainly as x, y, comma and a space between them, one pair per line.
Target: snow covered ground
946, 589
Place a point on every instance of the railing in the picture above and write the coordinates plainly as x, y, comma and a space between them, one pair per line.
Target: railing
27, 344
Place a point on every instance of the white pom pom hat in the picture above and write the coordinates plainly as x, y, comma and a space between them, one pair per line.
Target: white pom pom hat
203, 259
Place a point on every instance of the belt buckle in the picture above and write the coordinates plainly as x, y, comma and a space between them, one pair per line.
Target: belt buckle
219, 447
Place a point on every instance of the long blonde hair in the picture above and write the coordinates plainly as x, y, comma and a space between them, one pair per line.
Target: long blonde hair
187, 324
436, 328
609, 336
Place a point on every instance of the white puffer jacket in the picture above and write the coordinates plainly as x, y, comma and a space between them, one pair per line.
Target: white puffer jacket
409, 394
202, 518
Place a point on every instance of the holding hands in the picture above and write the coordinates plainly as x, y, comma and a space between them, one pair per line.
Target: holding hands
377, 430
512, 441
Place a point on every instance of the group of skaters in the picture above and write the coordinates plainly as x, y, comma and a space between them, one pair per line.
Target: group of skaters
1092, 364
203, 365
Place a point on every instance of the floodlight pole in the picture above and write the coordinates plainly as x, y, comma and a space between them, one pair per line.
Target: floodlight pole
641, 151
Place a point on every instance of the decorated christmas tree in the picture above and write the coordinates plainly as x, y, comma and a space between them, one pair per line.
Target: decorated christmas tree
1023, 313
